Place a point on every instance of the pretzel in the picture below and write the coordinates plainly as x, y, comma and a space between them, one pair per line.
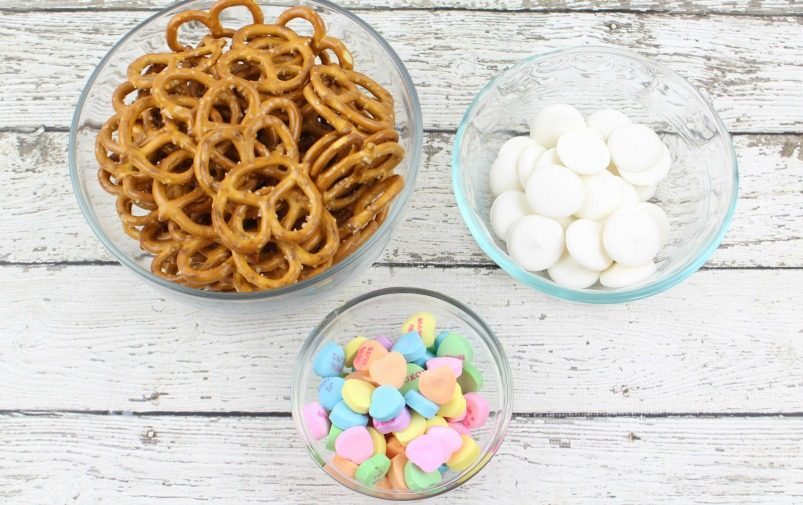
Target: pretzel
251, 163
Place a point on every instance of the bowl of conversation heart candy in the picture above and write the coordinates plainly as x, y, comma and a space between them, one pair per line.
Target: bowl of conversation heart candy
402, 394
595, 175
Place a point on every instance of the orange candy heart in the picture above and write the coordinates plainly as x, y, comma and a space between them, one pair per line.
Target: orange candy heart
393, 447
390, 369
438, 385
369, 351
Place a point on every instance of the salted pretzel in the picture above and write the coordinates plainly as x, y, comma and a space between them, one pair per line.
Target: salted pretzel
257, 159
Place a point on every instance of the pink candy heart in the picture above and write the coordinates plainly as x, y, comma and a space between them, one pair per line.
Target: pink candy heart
456, 364
355, 444
460, 428
398, 423
428, 452
449, 438
476, 410
316, 419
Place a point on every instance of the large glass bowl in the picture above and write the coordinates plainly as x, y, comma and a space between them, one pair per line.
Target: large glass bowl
372, 55
698, 195
382, 312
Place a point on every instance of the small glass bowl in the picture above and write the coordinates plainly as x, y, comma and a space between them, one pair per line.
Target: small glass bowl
382, 312
699, 194
373, 56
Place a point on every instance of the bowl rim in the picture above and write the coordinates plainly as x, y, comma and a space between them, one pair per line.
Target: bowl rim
396, 211
499, 257
486, 334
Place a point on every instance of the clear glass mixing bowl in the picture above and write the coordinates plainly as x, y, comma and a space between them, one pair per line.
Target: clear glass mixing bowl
699, 194
383, 312
372, 55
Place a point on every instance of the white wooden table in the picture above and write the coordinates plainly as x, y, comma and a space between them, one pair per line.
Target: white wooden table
112, 394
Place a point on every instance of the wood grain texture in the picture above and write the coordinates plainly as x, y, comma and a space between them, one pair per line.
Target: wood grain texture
96, 337
762, 7
37, 194
81, 460
749, 66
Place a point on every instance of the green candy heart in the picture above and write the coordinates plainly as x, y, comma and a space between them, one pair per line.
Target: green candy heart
373, 470
419, 480
470, 380
411, 379
334, 432
456, 346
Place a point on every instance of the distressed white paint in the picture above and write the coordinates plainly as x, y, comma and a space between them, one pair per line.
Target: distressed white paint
96, 337
93, 337
749, 66
762, 7
84, 460
45, 225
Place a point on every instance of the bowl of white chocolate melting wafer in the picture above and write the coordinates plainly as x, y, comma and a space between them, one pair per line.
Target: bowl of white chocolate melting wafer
594, 174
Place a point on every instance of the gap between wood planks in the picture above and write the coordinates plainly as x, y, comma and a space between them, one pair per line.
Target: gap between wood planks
283, 414
523, 10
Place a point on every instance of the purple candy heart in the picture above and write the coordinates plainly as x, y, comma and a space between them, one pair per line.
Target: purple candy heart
398, 423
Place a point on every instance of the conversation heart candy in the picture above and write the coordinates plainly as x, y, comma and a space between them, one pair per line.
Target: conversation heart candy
436, 421
410, 346
351, 349
416, 428
393, 446
390, 369
334, 432
460, 428
385, 341
470, 381
369, 351
448, 437
355, 444
455, 407
357, 395
372, 470
476, 410
343, 417
468, 453
417, 402
316, 420
427, 452
398, 423
438, 385
396, 472
329, 360
456, 364
380, 444
411, 378
422, 323
455, 345
417, 479
386, 403
330, 392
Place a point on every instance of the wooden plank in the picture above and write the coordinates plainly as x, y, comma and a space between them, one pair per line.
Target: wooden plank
780, 7
182, 460
96, 337
38, 194
45, 65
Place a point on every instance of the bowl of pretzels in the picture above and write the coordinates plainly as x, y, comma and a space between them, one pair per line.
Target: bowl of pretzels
234, 150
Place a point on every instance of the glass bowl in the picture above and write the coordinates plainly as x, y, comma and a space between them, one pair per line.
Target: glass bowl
382, 312
372, 55
698, 195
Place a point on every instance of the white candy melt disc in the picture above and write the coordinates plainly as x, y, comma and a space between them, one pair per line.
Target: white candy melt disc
644, 193
570, 274
659, 216
553, 121
584, 243
583, 151
535, 242
629, 195
508, 207
652, 175
550, 157
555, 191
527, 160
620, 276
503, 175
631, 237
603, 196
605, 121
634, 148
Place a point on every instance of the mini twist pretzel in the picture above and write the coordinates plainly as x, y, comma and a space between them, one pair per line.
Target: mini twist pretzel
209, 19
340, 102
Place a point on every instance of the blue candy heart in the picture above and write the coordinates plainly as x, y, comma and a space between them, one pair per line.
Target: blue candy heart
386, 403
